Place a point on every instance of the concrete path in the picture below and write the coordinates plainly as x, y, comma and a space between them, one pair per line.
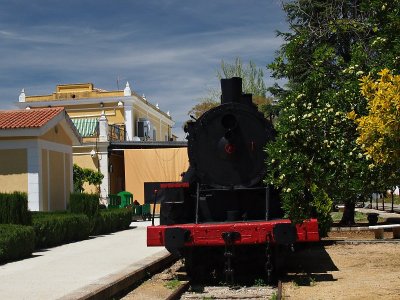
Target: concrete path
57, 272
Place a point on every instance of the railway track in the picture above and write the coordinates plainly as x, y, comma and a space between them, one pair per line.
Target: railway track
172, 284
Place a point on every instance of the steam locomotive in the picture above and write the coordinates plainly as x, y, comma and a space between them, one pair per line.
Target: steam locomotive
222, 215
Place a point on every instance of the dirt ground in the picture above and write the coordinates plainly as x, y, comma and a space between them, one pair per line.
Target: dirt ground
345, 271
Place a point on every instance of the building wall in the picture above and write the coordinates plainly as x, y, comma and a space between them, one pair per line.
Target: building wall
82, 158
68, 183
57, 135
57, 181
161, 128
13, 170
45, 180
153, 165
74, 92
113, 112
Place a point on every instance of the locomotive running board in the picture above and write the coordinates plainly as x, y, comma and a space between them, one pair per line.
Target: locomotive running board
211, 234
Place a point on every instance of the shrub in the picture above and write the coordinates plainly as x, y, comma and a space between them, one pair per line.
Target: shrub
14, 208
83, 203
322, 205
112, 220
16, 242
56, 228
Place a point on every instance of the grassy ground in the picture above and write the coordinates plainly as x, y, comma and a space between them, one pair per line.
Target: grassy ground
358, 217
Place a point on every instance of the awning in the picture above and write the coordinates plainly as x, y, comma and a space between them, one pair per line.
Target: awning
86, 126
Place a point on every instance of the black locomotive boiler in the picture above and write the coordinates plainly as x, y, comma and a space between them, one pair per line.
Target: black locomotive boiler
222, 214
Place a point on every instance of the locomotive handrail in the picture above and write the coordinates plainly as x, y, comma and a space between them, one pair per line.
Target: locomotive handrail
154, 207
230, 189
197, 202
267, 200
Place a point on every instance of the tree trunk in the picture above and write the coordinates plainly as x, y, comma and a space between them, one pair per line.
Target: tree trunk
348, 214
392, 192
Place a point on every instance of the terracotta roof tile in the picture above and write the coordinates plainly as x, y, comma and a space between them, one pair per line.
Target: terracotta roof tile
27, 118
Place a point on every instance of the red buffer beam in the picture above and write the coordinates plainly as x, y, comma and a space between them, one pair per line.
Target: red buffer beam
258, 232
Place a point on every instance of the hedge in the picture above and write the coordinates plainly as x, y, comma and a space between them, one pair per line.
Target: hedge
112, 220
16, 242
14, 208
55, 228
83, 203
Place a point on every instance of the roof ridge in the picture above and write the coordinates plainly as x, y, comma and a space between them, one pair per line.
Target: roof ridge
31, 118
32, 109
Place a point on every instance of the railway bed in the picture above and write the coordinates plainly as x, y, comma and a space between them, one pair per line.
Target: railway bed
172, 283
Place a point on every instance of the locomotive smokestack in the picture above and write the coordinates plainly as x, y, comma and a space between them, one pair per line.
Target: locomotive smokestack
231, 90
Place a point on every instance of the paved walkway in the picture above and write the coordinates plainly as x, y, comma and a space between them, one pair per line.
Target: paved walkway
57, 272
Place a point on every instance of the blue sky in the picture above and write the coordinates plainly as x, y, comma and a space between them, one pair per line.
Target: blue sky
168, 50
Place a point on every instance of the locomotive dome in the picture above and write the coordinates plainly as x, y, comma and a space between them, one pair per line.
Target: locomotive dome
225, 145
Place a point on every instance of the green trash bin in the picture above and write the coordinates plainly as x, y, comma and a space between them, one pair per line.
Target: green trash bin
146, 214
126, 198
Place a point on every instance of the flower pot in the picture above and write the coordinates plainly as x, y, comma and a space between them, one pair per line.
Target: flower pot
372, 218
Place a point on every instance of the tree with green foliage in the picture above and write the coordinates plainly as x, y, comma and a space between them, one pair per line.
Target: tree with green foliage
82, 175
331, 44
252, 83
201, 107
252, 77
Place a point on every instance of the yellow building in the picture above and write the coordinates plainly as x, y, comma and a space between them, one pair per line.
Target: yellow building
36, 156
108, 122
133, 116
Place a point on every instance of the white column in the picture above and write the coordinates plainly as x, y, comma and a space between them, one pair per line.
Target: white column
65, 167
34, 177
161, 137
103, 128
103, 168
128, 114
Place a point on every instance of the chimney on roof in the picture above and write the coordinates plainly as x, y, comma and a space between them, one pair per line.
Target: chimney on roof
127, 90
22, 96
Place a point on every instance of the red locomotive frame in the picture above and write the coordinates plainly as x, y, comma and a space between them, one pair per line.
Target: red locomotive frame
211, 234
